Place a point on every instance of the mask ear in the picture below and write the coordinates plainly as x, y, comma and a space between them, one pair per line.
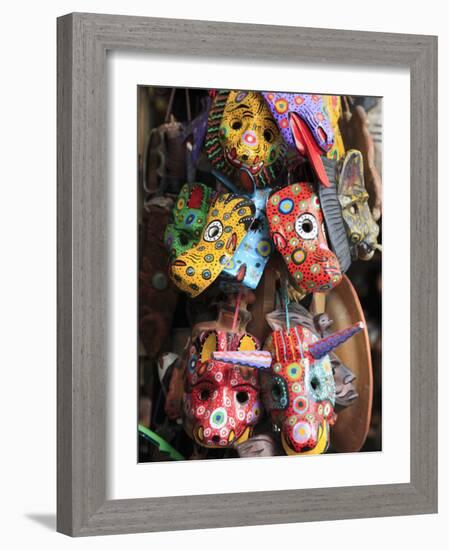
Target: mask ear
247, 343
351, 179
209, 345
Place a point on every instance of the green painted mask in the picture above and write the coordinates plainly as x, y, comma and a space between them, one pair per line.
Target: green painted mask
189, 217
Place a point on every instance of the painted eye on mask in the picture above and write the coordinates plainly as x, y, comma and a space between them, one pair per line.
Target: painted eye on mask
213, 231
306, 226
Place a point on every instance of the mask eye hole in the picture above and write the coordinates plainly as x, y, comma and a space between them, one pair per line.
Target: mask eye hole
279, 393
315, 383
268, 135
306, 226
242, 397
205, 394
236, 125
353, 209
213, 231
276, 392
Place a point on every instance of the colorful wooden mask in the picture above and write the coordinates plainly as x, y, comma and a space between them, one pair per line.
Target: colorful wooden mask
361, 228
297, 229
221, 399
189, 217
305, 126
299, 389
333, 106
248, 263
311, 108
243, 140
228, 220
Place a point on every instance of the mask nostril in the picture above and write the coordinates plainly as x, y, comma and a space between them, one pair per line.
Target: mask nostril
216, 439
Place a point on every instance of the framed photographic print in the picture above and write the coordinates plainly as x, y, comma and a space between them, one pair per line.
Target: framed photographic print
246, 274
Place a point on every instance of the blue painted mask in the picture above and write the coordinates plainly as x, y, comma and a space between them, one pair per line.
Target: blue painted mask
248, 263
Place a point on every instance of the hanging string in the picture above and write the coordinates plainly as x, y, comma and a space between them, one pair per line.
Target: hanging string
189, 112
170, 104
236, 312
225, 181
286, 301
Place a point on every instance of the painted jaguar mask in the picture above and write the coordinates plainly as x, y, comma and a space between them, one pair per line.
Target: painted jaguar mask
299, 389
361, 228
221, 399
297, 229
228, 221
189, 216
243, 140
248, 263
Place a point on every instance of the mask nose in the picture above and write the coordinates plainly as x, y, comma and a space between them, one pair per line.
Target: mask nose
249, 139
302, 436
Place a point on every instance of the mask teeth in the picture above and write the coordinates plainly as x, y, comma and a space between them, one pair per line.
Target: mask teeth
326, 345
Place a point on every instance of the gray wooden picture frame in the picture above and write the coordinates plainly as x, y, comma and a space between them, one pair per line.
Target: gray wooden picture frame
83, 40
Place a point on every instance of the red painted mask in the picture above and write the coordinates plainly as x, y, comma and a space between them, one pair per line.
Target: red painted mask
299, 388
221, 399
297, 229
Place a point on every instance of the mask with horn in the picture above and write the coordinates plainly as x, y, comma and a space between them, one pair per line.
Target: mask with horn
221, 399
299, 389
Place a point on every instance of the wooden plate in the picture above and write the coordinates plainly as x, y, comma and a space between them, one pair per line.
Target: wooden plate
343, 306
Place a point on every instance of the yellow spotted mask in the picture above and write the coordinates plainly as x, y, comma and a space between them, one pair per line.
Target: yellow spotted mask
243, 140
228, 221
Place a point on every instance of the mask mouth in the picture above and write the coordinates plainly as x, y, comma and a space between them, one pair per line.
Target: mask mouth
212, 442
366, 250
294, 449
215, 441
333, 271
254, 168
316, 444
